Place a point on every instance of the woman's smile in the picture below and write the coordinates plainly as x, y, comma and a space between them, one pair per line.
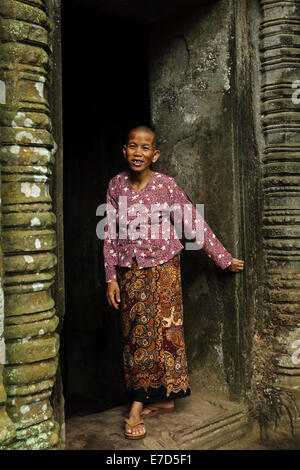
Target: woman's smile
137, 162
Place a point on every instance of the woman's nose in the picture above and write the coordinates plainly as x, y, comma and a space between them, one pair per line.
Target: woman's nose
138, 151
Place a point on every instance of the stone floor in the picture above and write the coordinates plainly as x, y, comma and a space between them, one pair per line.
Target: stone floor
198, 423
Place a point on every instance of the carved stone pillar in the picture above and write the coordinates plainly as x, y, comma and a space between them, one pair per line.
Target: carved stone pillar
276, 344
7, 429
28, 232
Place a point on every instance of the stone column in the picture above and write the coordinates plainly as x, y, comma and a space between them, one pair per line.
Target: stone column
276, 349
28, 232
7, 429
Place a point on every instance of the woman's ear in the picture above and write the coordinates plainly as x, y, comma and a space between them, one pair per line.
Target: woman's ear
156, 156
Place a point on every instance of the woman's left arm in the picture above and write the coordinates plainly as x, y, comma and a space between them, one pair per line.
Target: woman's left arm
212, 246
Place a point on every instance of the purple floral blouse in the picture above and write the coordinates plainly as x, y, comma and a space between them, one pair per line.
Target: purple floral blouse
128, 231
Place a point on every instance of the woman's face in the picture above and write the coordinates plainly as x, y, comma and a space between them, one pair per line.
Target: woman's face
140, 151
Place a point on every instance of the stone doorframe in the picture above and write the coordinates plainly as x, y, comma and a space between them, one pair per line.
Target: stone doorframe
275, 383
31, 415
30, 118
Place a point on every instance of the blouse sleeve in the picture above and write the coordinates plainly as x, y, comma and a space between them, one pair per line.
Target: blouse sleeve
110, 238
212, 247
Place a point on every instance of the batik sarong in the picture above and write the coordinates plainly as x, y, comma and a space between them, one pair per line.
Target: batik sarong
154, 354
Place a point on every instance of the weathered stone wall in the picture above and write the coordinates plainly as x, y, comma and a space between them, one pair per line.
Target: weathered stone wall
201, 109
275, 358
28, 234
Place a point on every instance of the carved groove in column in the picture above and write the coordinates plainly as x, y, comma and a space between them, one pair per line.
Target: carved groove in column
280, 61
28, 234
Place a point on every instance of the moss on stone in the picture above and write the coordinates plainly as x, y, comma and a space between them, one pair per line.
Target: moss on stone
7, 430
22, 374
14, 242
16, 10
38, 328
35, 263
33, 350
36, 429
28, 303
2, 389
20, 390
42, 219
18, 402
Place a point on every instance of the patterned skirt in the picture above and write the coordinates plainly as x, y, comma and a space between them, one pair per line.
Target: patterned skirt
154, 355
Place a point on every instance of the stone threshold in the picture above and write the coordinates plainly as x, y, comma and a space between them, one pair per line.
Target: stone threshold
199, 423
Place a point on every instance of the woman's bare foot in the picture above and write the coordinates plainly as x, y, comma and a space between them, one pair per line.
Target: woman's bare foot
165, 405
134, 417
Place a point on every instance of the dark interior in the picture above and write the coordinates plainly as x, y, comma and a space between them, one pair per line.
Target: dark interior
105, 93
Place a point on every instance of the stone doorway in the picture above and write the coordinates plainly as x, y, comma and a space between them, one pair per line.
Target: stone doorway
221, 85
121, 82
185, 89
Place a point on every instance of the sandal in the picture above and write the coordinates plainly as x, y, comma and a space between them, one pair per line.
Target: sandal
155, 410
134, 436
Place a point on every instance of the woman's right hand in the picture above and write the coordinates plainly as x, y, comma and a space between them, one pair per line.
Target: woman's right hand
113, 294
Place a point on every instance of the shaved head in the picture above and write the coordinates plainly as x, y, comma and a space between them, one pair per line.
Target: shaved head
145, 129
